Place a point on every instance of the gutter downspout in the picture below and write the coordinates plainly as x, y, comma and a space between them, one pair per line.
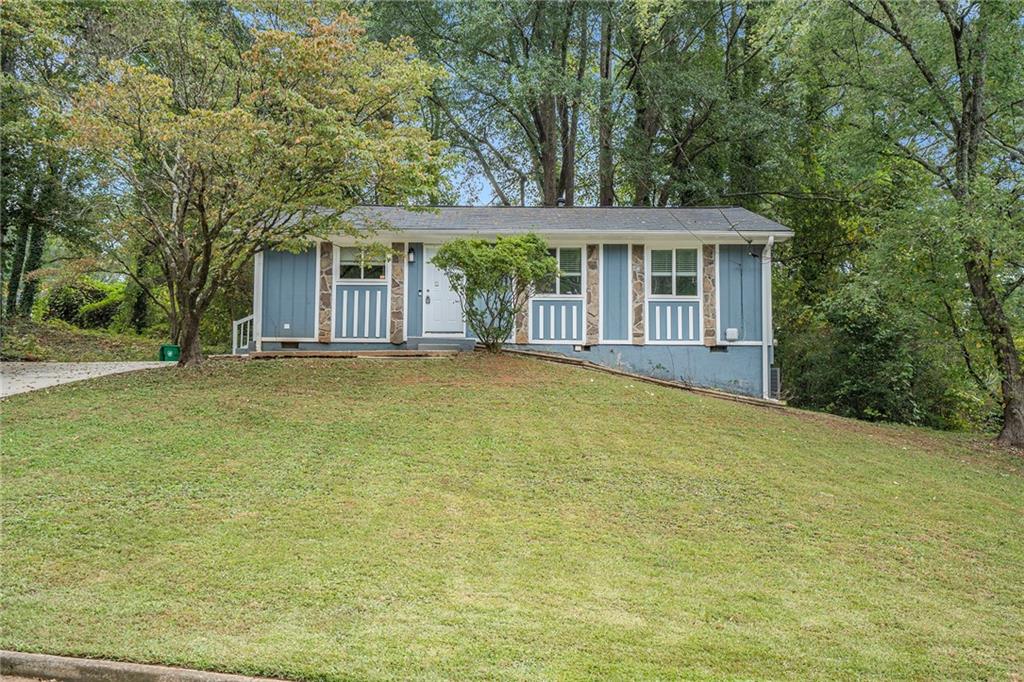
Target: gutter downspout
257, 302
767, 335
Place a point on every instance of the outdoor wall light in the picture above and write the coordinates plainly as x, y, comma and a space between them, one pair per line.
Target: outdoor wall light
412, 255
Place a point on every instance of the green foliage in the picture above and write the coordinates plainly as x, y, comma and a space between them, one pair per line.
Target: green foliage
65, 301
926, 102
230, 303
859, 356
100, 314
43, 191
493, 280
689, 106
85, 302
211, 148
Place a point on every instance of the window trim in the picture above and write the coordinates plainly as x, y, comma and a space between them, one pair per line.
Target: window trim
558, 283
649, 273
336, 269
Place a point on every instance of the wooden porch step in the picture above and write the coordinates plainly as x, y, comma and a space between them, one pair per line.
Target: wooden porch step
271, 354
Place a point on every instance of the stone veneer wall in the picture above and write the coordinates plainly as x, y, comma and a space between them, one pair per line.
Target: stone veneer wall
397, 327
593, 295
709, 322
523, 324
637, 282
324, 312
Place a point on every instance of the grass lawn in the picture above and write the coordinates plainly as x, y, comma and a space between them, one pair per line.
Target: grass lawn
498, 518
56, 341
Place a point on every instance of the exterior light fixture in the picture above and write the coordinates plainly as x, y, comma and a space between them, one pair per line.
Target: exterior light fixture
412, 255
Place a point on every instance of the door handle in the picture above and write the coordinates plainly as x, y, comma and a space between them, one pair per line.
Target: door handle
427, 300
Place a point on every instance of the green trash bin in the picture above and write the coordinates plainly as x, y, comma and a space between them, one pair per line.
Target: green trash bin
170, 353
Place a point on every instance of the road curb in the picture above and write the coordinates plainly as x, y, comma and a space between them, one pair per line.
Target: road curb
67, 669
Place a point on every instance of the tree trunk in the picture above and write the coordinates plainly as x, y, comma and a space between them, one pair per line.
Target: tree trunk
547, 131
33, 259
1004, 347
606, 195
978, 264
646, 124
17, 263
191, 350
1012, 434
188, 311
571, 110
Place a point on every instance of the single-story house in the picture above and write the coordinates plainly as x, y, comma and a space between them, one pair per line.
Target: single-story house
675, 293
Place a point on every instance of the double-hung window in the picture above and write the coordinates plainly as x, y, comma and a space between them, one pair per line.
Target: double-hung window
673, 272
356, 263
569, 280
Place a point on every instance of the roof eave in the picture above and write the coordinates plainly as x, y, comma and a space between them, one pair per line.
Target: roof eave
602, 236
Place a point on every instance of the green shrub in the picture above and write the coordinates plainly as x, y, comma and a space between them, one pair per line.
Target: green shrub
858, 357
492, 280
63, 302
85, 302
100, 314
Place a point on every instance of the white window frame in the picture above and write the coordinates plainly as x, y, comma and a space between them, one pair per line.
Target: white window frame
537, 296
649, 256
558, 284
385, 283
336, 268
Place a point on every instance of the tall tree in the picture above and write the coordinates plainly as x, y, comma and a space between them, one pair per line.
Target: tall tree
212, 153
41, 185
515, 99
605, 159
938, 86
704, 106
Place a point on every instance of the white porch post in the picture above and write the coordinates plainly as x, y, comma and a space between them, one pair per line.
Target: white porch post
257, 303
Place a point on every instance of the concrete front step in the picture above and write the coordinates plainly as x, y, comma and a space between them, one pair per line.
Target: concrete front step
440, 346
428, 343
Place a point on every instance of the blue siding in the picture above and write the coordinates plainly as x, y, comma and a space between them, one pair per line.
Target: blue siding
337, 345
557, 320
740, 290
470, 334
738, 370
673, 321
360, 311
414, 293
615, 292
289, 294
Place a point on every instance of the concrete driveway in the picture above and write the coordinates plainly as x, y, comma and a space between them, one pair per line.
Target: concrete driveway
22, 377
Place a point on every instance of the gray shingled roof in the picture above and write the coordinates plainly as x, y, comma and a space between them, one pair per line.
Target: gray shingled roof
492, 219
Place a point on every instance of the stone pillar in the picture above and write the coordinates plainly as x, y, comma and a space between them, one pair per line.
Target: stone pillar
398, 292
324, 312
523, 324
593, 295
708, 319
637, 282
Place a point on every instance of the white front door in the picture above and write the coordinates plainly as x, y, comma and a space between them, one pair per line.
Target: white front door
442, 314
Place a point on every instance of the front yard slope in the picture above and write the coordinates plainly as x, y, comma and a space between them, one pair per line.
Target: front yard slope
57, 341
498, 518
